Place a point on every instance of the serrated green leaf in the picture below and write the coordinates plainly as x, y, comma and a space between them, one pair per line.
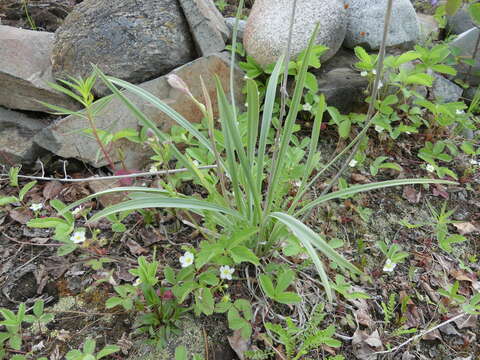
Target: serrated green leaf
243, 254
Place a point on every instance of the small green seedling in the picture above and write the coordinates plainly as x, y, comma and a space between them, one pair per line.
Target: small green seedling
277, 292
88, 351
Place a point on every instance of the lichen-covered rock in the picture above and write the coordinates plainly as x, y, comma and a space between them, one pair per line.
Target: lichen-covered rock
26, 70
132, 40
266, 32
365, 20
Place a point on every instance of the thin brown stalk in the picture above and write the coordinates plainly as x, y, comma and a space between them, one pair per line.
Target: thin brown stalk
371, 107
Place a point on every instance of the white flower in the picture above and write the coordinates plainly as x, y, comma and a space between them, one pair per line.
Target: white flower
374, 72
363, 73
307, 107
460, 112
38, 346
380, 85
36, 207
389, 266
153, 169
137, 282
430, 168
76, 210
378, 128
353, 163
297, 184
78, 237
226, 272
187, 259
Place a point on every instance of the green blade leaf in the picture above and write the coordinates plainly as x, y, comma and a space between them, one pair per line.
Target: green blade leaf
368, 187
153, 201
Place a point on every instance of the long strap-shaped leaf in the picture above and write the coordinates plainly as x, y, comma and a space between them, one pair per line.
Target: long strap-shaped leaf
367, 187
270, 96
167, 110
109, 81
287, 131
131, 189
231, 125
253, 114
164, 202
310, 239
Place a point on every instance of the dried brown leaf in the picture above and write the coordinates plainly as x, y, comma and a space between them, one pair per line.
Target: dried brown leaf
238, 344
52, 189
135, 248
22, 215
411, 195
465, 228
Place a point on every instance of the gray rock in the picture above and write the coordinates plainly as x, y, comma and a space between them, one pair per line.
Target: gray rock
460, 22
469, 93
365, 20
207, 25
230, 21
445, 90
63, 138
16, 137
129, 39
25, 70
343, 87
464, 45
266, 32
429, 29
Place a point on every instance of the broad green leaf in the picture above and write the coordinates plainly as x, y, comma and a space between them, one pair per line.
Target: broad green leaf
45, 223
474, 10
26, 189
452, 6
362, 54
288, 298
284, 279
311, 82
444, 69
243, 254
181, 353
8, 200
66, 249
267, 285
107, 350
419, 79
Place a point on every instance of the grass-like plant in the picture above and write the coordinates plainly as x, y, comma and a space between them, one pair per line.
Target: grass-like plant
250, 188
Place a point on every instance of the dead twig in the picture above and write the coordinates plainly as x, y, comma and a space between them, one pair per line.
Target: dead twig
101, 178
422, 334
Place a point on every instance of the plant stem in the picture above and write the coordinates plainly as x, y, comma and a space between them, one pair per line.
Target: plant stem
371, 107
98, 140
